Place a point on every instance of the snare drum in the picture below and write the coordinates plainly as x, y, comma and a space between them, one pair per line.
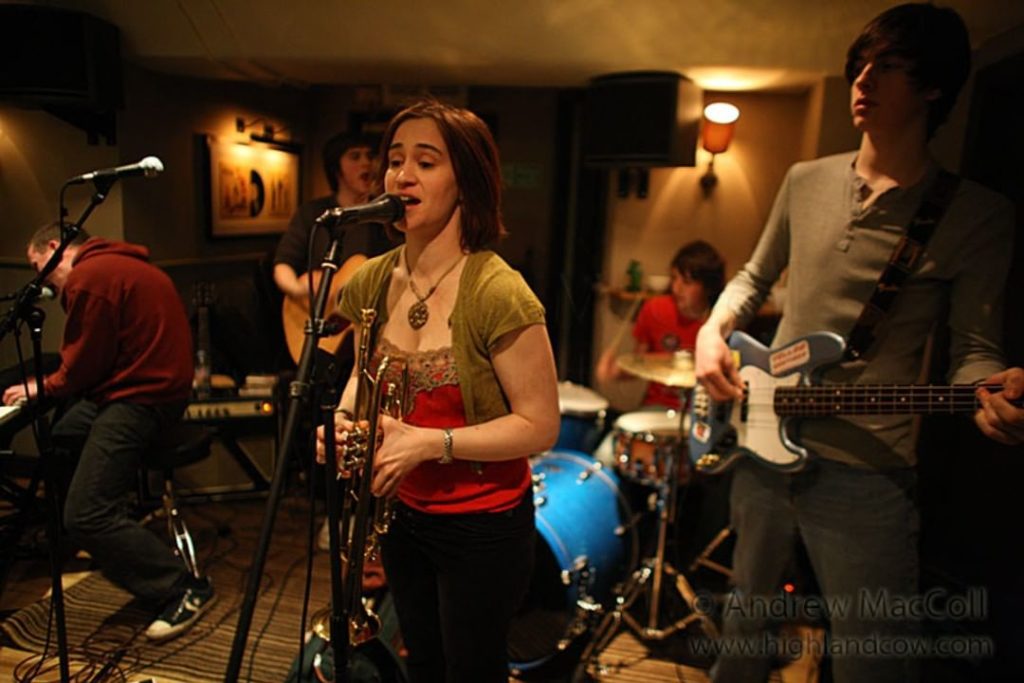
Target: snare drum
583, 412
643, 443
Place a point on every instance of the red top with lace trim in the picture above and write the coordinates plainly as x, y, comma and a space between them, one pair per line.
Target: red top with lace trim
462, 486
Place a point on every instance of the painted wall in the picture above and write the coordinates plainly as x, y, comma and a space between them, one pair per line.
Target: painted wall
770, 136
774, 131
38, 153
162, 116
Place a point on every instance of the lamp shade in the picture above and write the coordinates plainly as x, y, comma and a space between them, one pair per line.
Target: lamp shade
718, 126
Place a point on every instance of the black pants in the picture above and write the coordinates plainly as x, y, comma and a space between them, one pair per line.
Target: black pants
112, 439
457, 581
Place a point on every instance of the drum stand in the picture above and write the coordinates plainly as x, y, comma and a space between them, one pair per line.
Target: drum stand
648, 581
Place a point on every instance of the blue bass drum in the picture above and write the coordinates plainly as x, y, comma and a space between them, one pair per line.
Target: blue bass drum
584, 547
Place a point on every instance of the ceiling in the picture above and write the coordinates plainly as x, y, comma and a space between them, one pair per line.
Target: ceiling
721, 44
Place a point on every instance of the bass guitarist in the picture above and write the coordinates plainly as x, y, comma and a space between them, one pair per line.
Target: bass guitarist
834, 224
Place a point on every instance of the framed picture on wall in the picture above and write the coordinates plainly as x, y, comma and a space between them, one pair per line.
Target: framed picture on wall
249, 188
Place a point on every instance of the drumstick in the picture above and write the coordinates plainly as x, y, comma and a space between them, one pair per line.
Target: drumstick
626, 323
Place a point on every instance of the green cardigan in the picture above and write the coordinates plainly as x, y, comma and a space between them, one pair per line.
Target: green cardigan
493, 300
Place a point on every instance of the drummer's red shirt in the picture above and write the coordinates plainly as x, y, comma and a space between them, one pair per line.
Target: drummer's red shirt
461, 486
661, 327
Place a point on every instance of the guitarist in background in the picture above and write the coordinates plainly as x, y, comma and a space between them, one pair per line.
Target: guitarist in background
834, 224
349, 166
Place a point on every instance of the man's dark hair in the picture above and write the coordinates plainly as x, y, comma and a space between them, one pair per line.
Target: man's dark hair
51, 231
699, 261
935, 42
336, 147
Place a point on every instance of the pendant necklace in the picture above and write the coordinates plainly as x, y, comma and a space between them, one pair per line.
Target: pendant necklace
418, 312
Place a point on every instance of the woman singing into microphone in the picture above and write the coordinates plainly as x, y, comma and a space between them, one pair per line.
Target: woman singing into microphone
459, 552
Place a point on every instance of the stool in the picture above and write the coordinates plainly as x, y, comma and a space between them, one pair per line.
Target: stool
180, 445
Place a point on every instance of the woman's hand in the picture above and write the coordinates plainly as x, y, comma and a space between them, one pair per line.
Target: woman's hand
342, 430
401, 449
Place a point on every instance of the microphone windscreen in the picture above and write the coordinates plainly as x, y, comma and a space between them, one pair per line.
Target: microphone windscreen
152, 165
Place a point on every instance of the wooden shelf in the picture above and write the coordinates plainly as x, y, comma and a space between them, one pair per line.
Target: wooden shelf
620, 294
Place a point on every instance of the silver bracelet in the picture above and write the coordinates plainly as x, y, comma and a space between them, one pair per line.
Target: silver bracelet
446, 454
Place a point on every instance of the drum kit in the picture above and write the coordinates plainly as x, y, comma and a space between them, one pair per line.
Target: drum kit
592, 577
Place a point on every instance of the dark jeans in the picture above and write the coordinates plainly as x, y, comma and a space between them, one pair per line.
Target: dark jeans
112, 439
860, 528
457, 581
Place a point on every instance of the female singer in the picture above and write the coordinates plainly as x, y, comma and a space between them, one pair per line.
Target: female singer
459, 553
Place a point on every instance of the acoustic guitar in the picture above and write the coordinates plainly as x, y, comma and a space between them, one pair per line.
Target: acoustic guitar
295, 315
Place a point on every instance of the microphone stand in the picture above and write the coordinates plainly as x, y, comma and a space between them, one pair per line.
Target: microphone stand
339, 613
24, 310
299, 391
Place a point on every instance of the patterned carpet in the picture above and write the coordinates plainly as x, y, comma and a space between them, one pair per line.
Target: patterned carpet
103, 620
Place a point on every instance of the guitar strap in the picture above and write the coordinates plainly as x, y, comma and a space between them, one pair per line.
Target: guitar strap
904, 259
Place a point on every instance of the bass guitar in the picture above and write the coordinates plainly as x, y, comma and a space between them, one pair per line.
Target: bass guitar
781, 386
295, 314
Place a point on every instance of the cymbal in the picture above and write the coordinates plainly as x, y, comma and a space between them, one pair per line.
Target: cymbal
670, 369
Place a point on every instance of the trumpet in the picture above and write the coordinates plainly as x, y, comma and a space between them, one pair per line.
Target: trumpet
363, 519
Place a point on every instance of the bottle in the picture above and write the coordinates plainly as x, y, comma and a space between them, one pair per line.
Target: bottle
201, 378
635, 276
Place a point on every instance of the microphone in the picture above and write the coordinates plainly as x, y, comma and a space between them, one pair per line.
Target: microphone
148, 167
29, 293
386, 208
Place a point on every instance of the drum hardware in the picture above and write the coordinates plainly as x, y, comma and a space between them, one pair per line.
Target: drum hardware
704, 558
586, 605
647, 581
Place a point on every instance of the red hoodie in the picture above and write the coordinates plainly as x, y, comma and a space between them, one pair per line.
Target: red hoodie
127, 336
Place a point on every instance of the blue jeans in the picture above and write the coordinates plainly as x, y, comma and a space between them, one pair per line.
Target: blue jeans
113, 438
457, 581
860, 529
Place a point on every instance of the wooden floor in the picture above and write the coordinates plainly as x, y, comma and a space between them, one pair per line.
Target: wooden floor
626, 659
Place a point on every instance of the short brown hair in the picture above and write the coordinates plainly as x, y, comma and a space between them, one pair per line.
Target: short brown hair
52, 231
699, 261
475, 160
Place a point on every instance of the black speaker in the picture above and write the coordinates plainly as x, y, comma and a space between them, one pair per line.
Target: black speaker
641, 118
55, 57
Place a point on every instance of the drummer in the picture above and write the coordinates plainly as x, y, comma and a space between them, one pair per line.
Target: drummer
668, 322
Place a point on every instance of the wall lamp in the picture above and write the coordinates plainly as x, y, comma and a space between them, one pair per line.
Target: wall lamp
267, 132
716, 133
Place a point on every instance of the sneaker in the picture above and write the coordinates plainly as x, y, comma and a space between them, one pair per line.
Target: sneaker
182, 613
323, 539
